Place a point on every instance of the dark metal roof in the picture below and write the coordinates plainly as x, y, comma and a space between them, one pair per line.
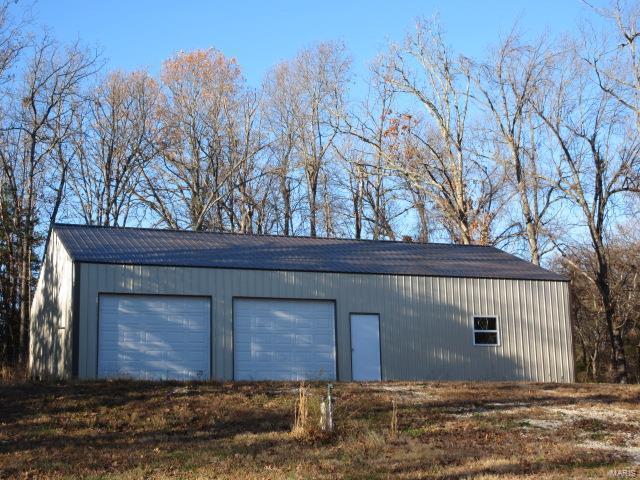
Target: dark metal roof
140, 246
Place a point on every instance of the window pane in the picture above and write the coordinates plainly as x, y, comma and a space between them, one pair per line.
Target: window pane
486, 338
484, 323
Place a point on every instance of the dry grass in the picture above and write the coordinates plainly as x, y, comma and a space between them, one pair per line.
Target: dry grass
11, 374
393, 427
444, 430
301, 414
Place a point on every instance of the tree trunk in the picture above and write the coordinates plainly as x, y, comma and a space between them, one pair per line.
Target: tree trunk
532, 234
357, 221
587, 364
313, 194
621, 374
56, 207
25, 262
285, 191
327, 211
25, 290
312, 216
532, 238
618, 360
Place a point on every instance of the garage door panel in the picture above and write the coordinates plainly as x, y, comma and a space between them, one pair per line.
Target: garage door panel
296, 373
149, 337
284, 339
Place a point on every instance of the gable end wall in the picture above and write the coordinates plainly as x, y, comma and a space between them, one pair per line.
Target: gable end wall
50, 344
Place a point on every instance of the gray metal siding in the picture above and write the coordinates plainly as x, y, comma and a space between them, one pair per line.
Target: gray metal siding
426, 328
50, 347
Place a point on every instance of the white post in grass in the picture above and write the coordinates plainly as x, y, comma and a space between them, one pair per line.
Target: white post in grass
326, 411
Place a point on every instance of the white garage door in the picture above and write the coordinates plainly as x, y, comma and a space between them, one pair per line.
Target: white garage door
284, 340
154, 337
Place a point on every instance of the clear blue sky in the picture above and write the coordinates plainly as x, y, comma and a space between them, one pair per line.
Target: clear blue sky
134, 34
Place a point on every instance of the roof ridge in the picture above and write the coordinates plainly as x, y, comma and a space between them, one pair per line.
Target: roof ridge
272, 235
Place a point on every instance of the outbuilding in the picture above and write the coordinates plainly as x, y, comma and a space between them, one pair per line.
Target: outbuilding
162, 304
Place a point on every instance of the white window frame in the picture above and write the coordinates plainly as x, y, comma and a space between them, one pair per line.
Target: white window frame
496, 331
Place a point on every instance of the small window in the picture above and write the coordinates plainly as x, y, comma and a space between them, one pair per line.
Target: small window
485, 330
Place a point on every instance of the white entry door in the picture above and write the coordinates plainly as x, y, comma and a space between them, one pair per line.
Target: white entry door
276, 339
154, 337
365, 347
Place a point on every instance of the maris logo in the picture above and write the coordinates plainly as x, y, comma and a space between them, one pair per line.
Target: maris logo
624, 473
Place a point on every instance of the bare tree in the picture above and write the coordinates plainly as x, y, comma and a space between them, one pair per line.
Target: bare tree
353, 181
279, 112
12, 44
372, 181
248, 184
615, 59
590, 332
436, 152
115, 142
187, 185
34, 128
317, 83
596, 152
507, 84
623, 251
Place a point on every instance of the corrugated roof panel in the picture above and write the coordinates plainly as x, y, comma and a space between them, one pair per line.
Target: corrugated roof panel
264, 252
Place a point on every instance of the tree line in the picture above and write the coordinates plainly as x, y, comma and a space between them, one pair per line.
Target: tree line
532, 148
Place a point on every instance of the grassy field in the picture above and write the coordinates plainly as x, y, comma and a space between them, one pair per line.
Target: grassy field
212, 430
